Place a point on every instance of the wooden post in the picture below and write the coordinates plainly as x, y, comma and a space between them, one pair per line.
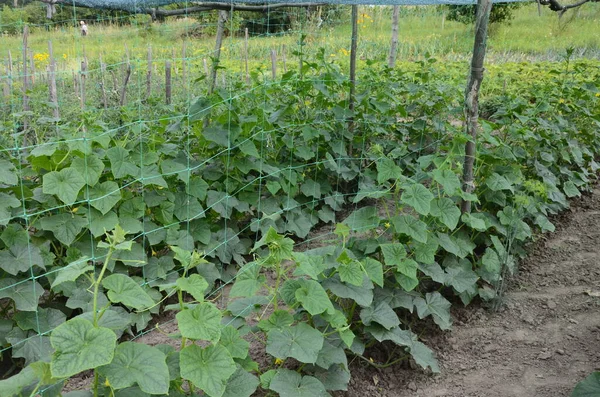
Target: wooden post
168, 82
9, 68
184, 69
274, 64
394, 43
149, 74
283, 58
103, 83
223, 16
353, 50
125, 82
484, 8
52, 82
206, 72
246, 55
83, 76
32, 69
25, 78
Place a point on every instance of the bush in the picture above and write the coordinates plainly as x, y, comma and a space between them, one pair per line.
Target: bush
501, 13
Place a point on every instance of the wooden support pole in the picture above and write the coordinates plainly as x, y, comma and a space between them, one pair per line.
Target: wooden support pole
394, 42
223, 16
103, 83
353, 50
184, 69
83, 74
149, 74
206, 71
125, 82
25, 78
283, 58
168, 82
482, 18
246, 55
273, 64
53, 95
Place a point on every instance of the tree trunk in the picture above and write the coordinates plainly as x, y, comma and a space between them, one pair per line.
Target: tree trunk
394, 43
472, 96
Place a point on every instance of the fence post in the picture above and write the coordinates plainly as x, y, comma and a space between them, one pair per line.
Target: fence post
353, 50
223, 16
246, 55
25, 79
484, 8
102, 83
394, 43
274, 64
168, 82
149, 74
52, 82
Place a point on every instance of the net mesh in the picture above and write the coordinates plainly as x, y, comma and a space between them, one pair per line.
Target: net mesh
125, 126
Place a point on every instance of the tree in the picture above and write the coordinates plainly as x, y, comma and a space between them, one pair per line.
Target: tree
502, 12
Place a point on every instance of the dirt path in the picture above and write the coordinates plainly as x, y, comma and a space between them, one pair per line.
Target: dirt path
542, 341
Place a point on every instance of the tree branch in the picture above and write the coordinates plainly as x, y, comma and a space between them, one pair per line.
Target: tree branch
554, 5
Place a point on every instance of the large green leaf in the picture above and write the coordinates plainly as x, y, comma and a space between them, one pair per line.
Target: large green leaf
349, 269
363, 295
138, 363
41, 321
363, 219
448, 179
461, 279
90, 167
248, 281
8, 176
7, 202
424, 356
309, 265
80, 346
25, 293
120, 164
202, 322
65, 227
380, 313
241, 384
497, 182
387, 170
122, 289
65, 184
291, 384
21, 384
447, 211
374, 270
20, 258
311, 188
301, 342
418, 197
437, 306
412, 227
393, 254
72, 271
194, 285
589, 387
207, 368
231, 340
104, 196
458, 245
313, 297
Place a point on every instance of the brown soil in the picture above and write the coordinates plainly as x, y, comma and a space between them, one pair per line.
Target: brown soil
544, 338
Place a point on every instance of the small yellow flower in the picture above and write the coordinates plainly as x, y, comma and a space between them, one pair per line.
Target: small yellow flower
598, 95
561, 100
387, 225
278, 361
65, 56
106, 383
74, 210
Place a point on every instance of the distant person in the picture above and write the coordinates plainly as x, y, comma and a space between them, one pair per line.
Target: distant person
84, 28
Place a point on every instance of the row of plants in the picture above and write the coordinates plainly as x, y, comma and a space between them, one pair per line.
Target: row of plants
220, 200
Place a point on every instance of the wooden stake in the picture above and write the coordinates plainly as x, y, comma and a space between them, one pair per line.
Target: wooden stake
484, 8
25, 79
206, 68
274, 64
124, 90
283, 57
223, 16
83, 76
52, 82
184, 69
394, 43
149, 74
168, 82
353, 50
246, 55
103, 83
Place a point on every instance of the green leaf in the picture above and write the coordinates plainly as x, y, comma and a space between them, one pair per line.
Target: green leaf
203, 322
311, 188
80, 346
363, 219
90, 167
6, 204
386, 170
474, 221
350, 270
589, 387
249, 148
418, 197
374, 270
313, 297
447, 212
20, 258
8, 176
25, 293
460, 245
207, 368
65, 227
363, 295
309, 265
279, 319
105, 196
41, 321
122, 289
412, 227
448, 179
65, 184
21, 384
301, 342
497, 182
393, 254
72, 271
194, 285
248, 281
491, 261
99, 224
235, 345
424, 356
437, 306
461, 279
380, 313
425, 253
32, 349
571, 190
138, 363
119, 164
291, 384
408, 267
330, 355
241, 384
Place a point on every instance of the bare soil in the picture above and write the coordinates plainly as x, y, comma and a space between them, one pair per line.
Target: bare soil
544, 338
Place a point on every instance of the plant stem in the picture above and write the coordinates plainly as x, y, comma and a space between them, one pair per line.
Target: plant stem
277, 281
97, 285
